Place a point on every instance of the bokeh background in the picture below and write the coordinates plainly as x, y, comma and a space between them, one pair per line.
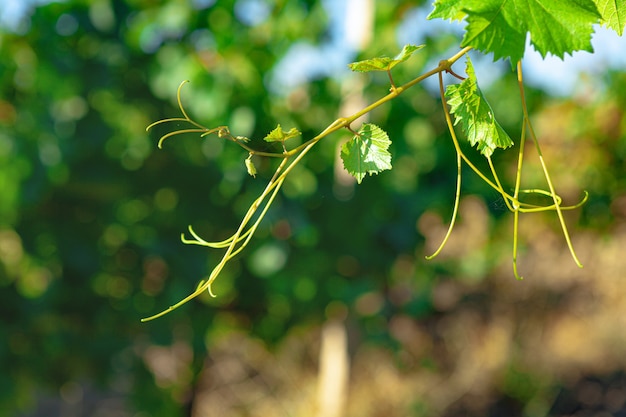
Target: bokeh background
332, 310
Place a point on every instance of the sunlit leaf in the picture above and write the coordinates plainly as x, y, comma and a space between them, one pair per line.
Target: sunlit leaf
447, 9
613, 14
501, 26
278, 135
475, 115
384, 63
366, 152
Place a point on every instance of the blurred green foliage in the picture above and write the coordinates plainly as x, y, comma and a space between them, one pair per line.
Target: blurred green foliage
91, 212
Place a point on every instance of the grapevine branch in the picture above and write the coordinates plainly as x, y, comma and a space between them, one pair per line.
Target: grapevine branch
289, 159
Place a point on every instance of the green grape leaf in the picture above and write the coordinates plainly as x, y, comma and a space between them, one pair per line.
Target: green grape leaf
475, 115
613, 14
447, 9
559, 27
278, 135
493, 27
384, 63
366, 152
501, 26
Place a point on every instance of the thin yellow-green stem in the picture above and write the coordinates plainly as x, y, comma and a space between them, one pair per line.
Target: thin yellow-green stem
516, 205
177, 132
520, 160
532, 208
455, 210
544, 167
230, 252
182, 109
205, 285
515, 243
274, 185
457, 195
499, 184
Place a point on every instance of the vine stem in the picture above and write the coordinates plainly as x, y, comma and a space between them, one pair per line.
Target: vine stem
344, 122
239, 240
518, 181
290, 158
544, 167
457, 195
273, 187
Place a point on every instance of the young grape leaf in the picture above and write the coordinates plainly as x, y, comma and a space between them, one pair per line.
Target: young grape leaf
500, 26
278, 135
475, 115
613, 14
492, 28
366, 152
447, 9
559, 27
384, 63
